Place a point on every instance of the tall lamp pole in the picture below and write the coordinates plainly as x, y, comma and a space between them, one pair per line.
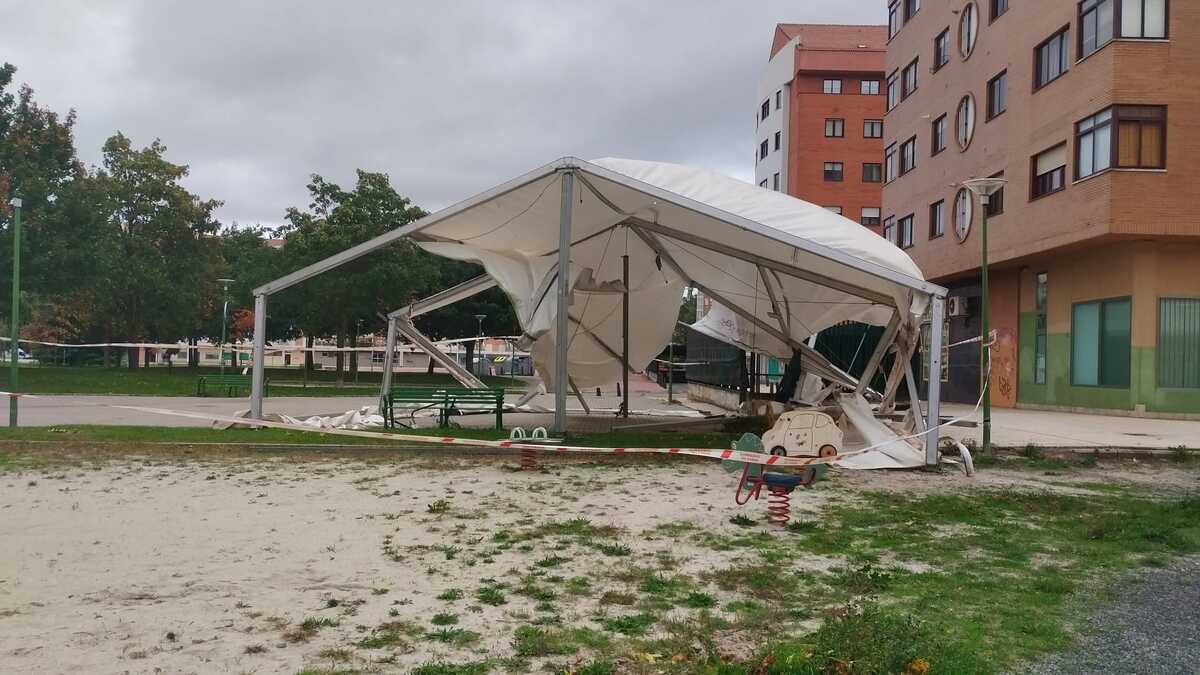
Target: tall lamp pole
984, 188
15, 325
224, 315
479, 356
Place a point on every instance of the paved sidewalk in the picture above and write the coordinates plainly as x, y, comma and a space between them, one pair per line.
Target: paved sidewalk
1151, 628
1013, 427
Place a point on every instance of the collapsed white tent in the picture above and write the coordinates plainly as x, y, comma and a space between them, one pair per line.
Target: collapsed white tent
784, 268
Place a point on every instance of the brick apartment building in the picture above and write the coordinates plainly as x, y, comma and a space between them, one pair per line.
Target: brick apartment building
819, 118
1089, 110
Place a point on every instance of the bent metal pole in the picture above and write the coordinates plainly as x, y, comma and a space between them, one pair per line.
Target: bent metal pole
561, 338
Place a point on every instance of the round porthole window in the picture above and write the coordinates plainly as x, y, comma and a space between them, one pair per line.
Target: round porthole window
968, 29
963, 213
964, 121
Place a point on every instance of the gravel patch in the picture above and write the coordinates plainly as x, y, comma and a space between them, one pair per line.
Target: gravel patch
1150, 628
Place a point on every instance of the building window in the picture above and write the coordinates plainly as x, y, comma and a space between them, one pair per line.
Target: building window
937, 219
778, 139
997, 95
762, 150
908, 155
968, 29
999, 7
1143, 18
1141, 132
1093, 144
925, 345
938, 135
889, 163
911, 7
766, 109
775, 182
893, 90
1050, 59
909, 80
835, 128
1049, 171
833, 171
834, 209
941, 49
872, 173
870, 215
889, 230
872, 128
893, 19
762, 183
1095, 25
906, 231
964, 121
1041, 296
964, 213
1100, 343
778, 99
995, 205
832, 86
869, 88
1179, 343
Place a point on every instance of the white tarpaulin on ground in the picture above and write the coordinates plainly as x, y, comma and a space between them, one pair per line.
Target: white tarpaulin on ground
724, 234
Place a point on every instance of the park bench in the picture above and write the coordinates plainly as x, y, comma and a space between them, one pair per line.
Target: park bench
445, 399
227, 383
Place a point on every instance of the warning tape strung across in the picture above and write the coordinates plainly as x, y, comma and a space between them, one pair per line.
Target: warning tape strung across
240, 348
734, 455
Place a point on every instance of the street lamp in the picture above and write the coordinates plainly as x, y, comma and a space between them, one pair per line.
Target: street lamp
480, 318
224, 315
984, 188
16, 311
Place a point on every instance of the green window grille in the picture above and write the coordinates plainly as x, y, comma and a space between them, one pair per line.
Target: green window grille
1179, 342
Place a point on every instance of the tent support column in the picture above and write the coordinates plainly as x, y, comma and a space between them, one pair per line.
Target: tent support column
936, 311
385, 386
258, 374
914, 399
587, 410
562, 335
885, 341
625, 337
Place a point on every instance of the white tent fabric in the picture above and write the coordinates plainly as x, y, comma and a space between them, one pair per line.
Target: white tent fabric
514, 235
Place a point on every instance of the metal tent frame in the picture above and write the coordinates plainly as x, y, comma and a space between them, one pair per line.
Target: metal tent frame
900, 334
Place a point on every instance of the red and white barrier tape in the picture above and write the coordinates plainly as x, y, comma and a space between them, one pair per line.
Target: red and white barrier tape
734, 455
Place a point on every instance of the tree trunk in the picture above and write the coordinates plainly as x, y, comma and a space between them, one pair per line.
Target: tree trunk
469, 356
429, 369
308, 354
107, 349
353, 356
133, 357
340, 360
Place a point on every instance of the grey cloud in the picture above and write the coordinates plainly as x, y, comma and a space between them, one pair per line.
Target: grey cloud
447, 97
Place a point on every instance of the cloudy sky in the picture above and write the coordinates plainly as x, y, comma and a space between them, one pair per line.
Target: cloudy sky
447, 97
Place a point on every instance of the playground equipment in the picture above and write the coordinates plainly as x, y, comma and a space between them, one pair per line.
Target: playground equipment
804, 433
779, 485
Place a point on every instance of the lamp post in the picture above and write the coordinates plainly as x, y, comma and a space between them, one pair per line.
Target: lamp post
984, 188
224, 315
16, 312
480, 318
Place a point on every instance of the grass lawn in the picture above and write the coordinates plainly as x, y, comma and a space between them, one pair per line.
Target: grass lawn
182, 381
956, 577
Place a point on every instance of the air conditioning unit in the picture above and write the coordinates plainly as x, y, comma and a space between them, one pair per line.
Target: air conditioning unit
956, 305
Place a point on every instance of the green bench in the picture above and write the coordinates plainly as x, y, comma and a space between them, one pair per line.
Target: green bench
444, 399
227, 383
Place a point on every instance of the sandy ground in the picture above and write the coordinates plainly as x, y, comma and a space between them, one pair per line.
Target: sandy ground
149, 565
